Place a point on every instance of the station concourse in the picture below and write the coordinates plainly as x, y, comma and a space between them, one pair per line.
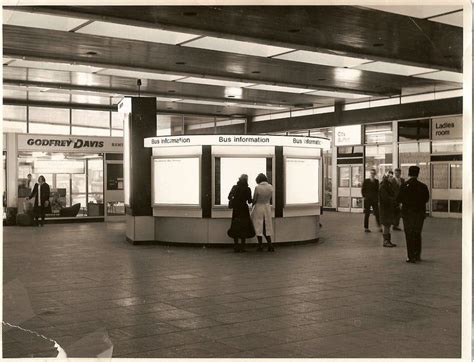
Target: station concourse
142, 118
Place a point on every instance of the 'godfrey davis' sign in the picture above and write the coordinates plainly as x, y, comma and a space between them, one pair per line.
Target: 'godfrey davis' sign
53, 143
237, 140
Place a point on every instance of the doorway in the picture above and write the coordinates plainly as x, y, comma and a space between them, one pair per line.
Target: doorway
446, 189
349, 183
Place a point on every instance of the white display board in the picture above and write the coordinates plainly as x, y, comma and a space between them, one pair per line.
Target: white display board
348, 135
233, 167
176, 181
301, 180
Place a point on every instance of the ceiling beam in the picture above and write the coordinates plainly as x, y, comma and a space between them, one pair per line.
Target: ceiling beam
65, 47
343, 30
442, 107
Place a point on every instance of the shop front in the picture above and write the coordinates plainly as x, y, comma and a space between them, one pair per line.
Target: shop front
85, 175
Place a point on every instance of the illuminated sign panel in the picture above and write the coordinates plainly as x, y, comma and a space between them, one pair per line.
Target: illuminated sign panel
348, 135
301, 181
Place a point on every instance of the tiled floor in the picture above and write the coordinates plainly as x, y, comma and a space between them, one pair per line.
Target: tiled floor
84, 287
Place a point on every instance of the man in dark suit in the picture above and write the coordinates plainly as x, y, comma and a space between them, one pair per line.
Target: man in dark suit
41, 193
397, 183
413, 196
370, 192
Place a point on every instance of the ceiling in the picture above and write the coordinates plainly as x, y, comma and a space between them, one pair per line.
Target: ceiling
229, 61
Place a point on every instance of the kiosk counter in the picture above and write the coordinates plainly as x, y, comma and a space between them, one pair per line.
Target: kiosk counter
192, 176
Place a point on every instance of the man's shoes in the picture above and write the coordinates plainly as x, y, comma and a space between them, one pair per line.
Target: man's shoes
411, 261
388, 244
367, 230
397, 228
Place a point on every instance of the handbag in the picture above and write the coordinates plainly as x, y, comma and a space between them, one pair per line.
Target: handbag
231, 198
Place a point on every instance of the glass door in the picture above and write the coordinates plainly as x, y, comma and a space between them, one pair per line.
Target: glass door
349, 182
446, 193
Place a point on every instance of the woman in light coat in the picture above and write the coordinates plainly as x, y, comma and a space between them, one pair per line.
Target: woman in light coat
262, 211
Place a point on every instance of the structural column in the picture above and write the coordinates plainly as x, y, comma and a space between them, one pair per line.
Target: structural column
139, 123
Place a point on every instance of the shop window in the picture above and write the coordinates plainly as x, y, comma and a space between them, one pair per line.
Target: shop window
357, 202
439, 205
447, 147
415, 154
95, 187
456, 176
344, 176
45, 128
414, 130
440, 175
380, 158
344, 201
350, 151
378, 133
115, 208
356, 176
455, 206
90, 131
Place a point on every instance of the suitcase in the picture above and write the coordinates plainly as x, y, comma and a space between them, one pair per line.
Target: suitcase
24, 219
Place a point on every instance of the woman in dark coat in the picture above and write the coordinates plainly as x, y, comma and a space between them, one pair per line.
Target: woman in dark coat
387, 200
241, 227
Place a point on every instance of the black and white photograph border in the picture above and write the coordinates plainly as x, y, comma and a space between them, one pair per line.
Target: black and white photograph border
135, 272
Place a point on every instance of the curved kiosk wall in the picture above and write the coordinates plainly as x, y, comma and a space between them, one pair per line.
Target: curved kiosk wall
192, 177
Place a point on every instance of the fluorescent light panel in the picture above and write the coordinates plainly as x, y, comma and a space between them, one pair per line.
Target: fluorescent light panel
443, 75
277, 88
139, 75
42, 21
455, 19
208, 81
53, 66
338, 94
393, 68
235, 46
417, 11
322, 59
135, 33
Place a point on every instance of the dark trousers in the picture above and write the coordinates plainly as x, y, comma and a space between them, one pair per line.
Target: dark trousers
39, 213
398, 215
413, 225
371, 203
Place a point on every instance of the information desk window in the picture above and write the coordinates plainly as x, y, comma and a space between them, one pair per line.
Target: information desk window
176, 181
229, 169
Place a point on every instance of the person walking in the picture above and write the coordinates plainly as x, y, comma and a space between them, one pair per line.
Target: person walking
41, 193
387, 203
262, 211
397, 183
241, 225
370, 193
413, 196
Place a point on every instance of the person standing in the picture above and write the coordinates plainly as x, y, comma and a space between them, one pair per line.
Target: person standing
397, 183
241, 226
41, 193
370, 193
413, 196
387, 202
29, 182
262, 211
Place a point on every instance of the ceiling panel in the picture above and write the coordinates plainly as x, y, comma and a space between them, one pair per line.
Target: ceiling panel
40, 20
392, 68
235, 46
53, 66
417, 11
455, 19
209, 81
322, 59
139, 75
443, 75
90, 99
276, 88
135, 33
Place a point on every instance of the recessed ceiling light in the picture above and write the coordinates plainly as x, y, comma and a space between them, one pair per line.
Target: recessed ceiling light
378, 44
180, 63
190, 13
91, 53
171, 91
283, 101
169, 107
321, 79
231, 96
256, 72
294, 30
